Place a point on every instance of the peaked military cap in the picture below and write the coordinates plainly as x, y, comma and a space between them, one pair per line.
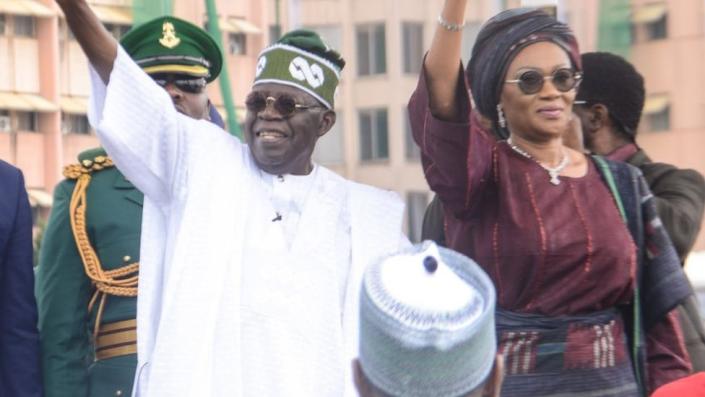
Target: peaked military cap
171, 45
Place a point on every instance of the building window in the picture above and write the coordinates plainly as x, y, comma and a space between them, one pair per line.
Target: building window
275, 32
416, 203
5, 121
411, 149
470, 32
27, 121
69, 34
650, 21
116, 30
65, 32
2, 24
237, 43
371, 50
24, 26
633, 33
329, 148
659, 121
75, 124
374, 137
412, 46
657, 29
700, 293
551, 10
657, 112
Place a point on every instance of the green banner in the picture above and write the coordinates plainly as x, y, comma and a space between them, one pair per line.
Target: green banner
145, 10
615, 27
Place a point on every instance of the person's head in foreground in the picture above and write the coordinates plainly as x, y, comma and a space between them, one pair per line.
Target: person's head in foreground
180, 57
524, 71
612, 98
292, 102
427, 327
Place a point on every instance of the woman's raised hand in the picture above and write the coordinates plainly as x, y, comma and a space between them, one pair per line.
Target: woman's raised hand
442, 63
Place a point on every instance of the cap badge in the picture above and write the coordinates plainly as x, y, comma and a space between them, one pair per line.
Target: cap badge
169, 39
301, 70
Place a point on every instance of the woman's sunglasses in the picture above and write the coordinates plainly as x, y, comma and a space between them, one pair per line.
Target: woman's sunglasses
192, 86
531, 81
284, 104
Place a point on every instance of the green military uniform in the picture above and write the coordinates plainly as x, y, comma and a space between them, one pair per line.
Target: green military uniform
74, 362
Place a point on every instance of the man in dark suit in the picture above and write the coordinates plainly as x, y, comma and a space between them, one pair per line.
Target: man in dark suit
19, 340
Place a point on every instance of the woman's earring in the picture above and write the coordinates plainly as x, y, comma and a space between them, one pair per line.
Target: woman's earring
500, 117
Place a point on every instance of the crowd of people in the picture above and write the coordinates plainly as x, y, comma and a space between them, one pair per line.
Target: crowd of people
180, 261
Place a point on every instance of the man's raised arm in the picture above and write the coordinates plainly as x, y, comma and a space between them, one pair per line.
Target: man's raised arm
98, 45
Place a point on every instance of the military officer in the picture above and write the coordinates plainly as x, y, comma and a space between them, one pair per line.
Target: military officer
87, 277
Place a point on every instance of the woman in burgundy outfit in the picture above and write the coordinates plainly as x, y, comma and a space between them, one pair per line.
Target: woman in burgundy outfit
586, 277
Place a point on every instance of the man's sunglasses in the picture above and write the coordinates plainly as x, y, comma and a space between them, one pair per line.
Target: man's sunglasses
284, 104
531, 81
192, 86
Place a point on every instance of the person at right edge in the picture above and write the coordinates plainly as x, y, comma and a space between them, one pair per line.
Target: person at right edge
612, 98
587, 279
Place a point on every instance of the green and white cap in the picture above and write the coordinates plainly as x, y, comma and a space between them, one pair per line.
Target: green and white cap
427, 323
301, 59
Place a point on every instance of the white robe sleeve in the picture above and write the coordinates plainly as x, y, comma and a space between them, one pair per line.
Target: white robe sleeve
140, 129
376, 219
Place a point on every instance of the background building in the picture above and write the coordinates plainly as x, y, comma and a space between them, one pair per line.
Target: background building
44, 80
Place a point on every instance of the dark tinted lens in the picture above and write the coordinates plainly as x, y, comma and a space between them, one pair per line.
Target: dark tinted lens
564, 79
256, 102
285, 105
530, 82
190, 86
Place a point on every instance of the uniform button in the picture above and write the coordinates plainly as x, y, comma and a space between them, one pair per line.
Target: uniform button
126, 258
118, 393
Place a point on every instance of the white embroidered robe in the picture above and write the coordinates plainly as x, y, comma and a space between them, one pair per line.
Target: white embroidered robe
227, 305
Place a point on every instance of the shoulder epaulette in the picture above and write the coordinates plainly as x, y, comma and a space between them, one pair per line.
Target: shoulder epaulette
87, 166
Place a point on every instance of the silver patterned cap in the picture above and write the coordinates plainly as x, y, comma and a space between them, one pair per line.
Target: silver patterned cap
427, 323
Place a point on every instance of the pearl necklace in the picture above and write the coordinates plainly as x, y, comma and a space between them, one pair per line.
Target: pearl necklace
554, 172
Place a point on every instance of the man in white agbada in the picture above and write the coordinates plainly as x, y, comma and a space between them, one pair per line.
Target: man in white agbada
252, 256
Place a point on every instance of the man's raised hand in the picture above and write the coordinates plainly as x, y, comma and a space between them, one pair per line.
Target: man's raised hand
97, 43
